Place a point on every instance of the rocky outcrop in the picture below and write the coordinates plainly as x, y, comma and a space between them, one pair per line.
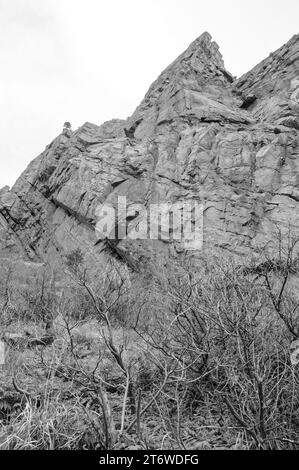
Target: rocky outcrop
198, 135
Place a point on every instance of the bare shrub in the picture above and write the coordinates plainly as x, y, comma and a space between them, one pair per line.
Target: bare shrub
231, 333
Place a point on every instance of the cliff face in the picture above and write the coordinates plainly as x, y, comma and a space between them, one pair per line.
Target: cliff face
198, 135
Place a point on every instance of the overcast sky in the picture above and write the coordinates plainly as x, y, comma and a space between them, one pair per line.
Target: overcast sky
93, 60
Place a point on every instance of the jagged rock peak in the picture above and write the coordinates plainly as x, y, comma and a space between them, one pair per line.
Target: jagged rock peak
203, 44
200, 69
201, 57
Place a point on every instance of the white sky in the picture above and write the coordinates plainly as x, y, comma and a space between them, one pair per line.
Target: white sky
93, 60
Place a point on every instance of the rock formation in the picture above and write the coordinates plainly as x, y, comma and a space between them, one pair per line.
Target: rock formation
198, 135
